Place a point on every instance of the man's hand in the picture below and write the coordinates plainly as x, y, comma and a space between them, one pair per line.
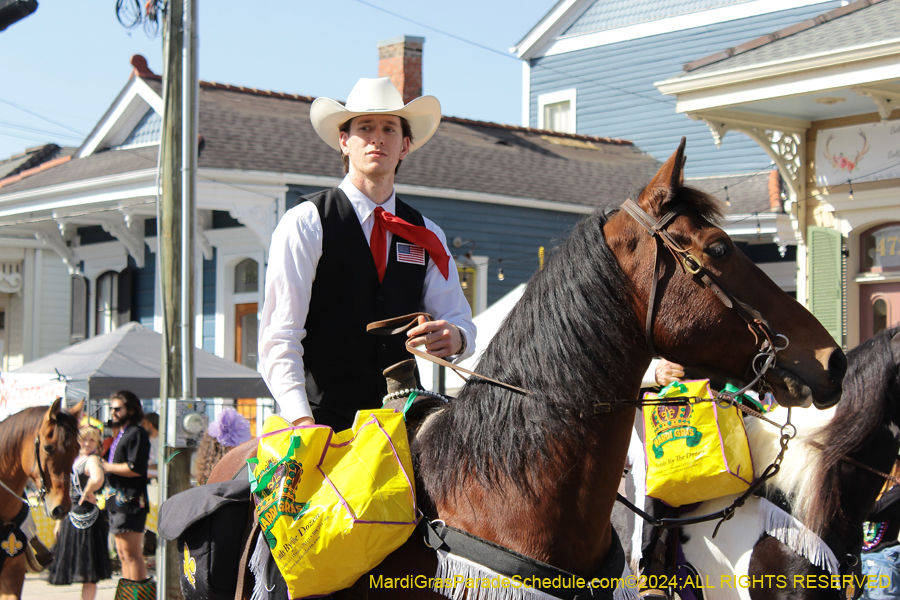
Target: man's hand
667, 372
440, 338
304, 421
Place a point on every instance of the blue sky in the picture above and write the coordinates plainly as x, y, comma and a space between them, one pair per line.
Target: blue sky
67, 62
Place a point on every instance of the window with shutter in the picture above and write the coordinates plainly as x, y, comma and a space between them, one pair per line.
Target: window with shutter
825, 280
107, 302
78, 324
124, 296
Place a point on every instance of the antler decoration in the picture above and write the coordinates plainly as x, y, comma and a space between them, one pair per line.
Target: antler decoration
842, 163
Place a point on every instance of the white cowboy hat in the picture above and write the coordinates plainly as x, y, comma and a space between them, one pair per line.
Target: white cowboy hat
379, 97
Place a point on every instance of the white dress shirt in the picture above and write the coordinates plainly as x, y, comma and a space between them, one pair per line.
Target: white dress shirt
293, 257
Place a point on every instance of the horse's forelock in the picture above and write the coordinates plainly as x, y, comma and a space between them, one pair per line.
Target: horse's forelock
705, 205
68, 424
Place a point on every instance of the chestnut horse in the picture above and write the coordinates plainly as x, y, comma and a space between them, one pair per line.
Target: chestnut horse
816, 491
39, 444
537, 472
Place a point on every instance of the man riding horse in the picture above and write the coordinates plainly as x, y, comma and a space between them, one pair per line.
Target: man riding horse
354, 254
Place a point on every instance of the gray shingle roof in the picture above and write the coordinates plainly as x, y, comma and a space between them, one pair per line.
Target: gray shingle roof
609, 14
32, 157
253, 130
858, 23
747, 193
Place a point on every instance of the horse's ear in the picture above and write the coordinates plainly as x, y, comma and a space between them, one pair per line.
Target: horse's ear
75, 411
665, 184
54, 409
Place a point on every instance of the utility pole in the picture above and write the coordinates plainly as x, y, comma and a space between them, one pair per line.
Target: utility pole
175, 223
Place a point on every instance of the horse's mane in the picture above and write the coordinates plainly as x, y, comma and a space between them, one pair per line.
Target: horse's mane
812, 476
563, 341
21, 428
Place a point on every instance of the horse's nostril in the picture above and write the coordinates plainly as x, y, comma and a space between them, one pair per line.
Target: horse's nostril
837, 366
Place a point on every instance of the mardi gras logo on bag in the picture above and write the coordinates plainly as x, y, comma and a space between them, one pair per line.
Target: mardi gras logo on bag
673, 423
283, 475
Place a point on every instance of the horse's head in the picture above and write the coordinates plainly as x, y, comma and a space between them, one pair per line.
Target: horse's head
704, 333
55, 449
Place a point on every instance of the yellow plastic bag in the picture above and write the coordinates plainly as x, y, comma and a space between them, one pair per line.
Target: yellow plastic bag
332, 505
695, 452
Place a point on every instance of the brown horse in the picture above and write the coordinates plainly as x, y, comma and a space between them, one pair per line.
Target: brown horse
39, 444
537, 472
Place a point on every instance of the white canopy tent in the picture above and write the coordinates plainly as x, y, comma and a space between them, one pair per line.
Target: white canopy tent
129, 358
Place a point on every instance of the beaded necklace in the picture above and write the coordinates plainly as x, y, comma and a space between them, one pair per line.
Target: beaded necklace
873, 534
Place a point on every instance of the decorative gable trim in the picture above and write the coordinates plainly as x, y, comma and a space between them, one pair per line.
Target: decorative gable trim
551, 44
121, 119
552, 25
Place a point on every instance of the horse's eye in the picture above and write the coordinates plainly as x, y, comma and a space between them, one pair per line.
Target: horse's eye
49, 448
718, 250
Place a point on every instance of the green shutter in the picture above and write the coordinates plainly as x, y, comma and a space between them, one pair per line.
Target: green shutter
825, 297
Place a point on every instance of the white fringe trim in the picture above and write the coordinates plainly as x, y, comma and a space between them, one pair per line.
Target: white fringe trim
258, 568
639, 479
451, 566
796, 536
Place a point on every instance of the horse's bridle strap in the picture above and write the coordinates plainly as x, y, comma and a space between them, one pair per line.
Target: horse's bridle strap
40, 468
691, 264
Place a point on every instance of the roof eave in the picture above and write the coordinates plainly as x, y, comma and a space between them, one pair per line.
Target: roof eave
136, 89
836, 69
563, 13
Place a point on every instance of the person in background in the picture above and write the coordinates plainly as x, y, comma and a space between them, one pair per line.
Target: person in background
82, 553
151, 424
352, 255
881, 548
127, 473
228, 430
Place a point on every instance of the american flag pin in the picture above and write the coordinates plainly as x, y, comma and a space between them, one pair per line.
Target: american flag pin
410, 253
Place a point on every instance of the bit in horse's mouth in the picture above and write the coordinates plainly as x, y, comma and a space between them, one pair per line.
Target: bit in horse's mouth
789, 389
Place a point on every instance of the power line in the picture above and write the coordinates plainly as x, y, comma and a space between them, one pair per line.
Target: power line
515, 58
43, 118
40, 131
22, 137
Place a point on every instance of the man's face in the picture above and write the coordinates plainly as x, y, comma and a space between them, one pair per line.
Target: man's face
374, 144
118, 413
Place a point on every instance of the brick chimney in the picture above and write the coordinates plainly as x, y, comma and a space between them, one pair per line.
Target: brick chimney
400, 58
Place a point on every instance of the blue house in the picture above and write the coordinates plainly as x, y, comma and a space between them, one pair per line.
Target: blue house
590, 67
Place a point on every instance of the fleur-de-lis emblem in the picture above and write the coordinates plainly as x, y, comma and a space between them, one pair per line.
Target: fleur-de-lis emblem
11, 545
190, 567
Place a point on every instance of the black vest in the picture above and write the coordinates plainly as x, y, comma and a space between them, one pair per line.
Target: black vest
343, 362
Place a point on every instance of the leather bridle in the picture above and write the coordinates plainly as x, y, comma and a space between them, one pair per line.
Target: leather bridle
756, 323
40, 468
